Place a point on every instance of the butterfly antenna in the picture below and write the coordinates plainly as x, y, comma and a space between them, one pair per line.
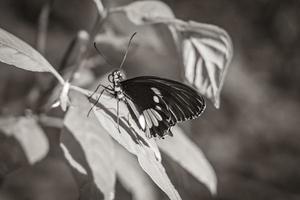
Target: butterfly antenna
101, 54
125, 56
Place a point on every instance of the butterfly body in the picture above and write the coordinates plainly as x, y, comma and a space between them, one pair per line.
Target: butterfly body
156, 104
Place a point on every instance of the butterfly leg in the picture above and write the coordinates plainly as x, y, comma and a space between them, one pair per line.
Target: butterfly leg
95, 102
109, 88
118, 116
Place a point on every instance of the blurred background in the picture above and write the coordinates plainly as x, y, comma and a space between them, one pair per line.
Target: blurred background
252, 141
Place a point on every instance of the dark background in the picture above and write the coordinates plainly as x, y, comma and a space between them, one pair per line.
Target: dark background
253, 140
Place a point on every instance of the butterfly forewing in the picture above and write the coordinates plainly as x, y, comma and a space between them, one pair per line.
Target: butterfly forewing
161, 103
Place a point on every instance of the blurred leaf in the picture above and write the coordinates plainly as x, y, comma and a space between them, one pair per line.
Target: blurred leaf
14, 51
12, 155
182, 150
134, 140
83, 77
133, 177
206, 53
96, 143
141, 12
29, 134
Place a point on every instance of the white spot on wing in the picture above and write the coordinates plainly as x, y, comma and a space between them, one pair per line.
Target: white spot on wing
142, 122
153, 118
156, 114
156, 91
148, 119
156, 99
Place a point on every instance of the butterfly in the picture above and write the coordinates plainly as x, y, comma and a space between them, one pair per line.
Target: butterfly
155, 104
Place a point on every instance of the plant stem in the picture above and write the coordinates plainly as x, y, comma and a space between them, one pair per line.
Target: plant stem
43, 27
100, 20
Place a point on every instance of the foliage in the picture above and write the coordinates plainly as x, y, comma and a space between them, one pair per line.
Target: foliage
205, 52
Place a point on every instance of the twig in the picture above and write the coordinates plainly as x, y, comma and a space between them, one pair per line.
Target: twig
100, 20
84, 42
43, 27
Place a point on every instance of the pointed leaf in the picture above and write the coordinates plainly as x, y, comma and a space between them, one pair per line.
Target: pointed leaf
132, 177
96, 143
206, 53
30, 135
141, 12
14, 51
182, 150
157, 172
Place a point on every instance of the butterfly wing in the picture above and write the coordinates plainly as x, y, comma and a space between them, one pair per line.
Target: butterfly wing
159, 103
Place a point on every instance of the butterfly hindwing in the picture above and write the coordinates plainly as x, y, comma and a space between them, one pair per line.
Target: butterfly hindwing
159, 103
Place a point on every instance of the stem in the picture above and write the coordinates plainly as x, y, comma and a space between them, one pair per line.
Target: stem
46, 94
80, 90
43, 27
100, 20
84, 42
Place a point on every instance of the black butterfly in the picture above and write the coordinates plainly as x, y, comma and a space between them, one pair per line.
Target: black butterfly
156, 104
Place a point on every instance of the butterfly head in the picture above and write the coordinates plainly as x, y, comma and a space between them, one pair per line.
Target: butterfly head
116, 76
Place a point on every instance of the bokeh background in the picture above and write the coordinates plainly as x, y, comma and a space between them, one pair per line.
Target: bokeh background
252, 141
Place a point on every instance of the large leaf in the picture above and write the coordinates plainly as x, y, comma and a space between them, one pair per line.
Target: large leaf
134, 140
96, 143
14, 51
141, 12
206, 54
31, 137
132, 176
181, 149
130, 136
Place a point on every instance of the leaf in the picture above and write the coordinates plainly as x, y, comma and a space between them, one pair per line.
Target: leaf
134, 140
157, 172
132, 177
129, 136
14, 51
71, 160
141, 12
95, 142
31, 137
182, 150
206, 52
